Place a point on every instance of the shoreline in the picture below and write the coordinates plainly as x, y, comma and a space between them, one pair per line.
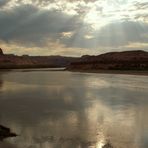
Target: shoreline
34, 69
126, 72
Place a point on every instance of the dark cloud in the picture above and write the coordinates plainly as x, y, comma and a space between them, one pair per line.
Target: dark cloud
141, 5
28, 23
61, 4
3, 2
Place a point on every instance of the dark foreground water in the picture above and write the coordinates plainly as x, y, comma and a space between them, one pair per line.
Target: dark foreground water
74, 110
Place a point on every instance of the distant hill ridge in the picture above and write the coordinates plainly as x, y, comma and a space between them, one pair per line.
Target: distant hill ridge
125, 60
134, 53
10, 61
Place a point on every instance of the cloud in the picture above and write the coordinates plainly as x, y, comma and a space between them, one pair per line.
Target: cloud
72, 27
122, 33
141, 5
53, 48
112, 35
29, 24
3, 2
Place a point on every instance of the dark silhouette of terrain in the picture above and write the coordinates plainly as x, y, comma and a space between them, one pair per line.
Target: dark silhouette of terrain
5, 133
8, 61
1, 52
127, 60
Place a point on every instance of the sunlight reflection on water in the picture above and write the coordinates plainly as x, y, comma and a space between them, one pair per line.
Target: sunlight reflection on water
74, 110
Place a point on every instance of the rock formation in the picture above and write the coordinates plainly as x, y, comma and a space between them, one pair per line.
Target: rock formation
1, 52
5, 133
127, 60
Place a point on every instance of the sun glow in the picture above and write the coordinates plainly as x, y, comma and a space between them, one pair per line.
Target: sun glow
95, 19
101, 14
100, 144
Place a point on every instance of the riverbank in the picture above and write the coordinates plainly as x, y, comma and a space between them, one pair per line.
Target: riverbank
33, 69
127, 72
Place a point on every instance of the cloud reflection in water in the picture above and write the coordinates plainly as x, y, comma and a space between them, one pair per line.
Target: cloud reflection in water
73, 110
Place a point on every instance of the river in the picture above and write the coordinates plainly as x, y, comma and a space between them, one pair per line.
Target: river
61, 109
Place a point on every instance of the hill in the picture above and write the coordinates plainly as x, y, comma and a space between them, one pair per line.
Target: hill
8, 61
127, 60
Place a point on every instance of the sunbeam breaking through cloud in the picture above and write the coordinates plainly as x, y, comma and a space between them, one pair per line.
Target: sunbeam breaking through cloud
79, 27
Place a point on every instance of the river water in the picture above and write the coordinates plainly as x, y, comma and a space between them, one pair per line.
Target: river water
60, 109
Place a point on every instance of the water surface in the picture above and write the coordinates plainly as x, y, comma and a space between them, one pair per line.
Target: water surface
51, 109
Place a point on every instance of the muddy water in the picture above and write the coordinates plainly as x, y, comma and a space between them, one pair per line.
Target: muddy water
51, 109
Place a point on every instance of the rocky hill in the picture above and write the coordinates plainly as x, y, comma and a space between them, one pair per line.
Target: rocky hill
8, 61
1, 52
127, 60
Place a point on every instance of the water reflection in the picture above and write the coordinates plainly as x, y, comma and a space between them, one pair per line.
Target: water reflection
7, 145
1, 80
73, 110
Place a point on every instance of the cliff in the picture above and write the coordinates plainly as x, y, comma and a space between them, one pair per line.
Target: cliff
8, 61
127, 60
1, 52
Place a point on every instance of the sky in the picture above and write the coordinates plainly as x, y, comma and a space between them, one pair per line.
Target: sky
73, 27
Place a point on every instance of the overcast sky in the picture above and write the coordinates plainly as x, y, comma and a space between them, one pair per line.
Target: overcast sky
73, 27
